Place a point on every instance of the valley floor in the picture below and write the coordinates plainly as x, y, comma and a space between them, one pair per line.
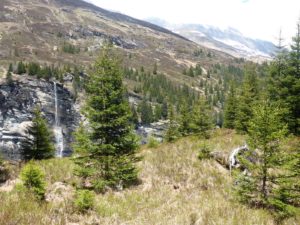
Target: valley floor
176, 188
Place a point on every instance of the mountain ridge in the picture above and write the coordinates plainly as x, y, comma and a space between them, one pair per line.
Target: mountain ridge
229, 40
34, 30
118, 16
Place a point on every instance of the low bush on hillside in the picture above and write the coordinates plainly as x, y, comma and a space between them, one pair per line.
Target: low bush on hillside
34, 179
85, 200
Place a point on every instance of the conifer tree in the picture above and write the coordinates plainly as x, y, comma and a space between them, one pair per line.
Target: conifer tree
277, 70
146, 112
9, 79
230, 108
135, 117
106, 147
185, 119
157, 112
286, 198
21, 68
201, 122
198, 70
33, 69
172, 133
292, 83
294, 169
284, 82
165, 109
249, 95
155, 68
10, 68
264, 158
191, 71
38, 144
34, 179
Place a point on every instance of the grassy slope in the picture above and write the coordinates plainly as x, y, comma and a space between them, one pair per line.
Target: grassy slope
176, 188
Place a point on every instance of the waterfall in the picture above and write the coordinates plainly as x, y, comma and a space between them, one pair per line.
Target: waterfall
56, 105
58, 132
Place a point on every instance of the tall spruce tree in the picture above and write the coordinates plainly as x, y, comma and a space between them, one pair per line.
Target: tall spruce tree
106, 147
146, 112
292, 83
165, 109
10, 68
294, 182
277, 70
201, 121
185, 119
284, 82
230, 108
246, 99
157, 112
134, 118
9, 78
38, 144
286, 198
264, 159
21, 69
172, 133
155, 68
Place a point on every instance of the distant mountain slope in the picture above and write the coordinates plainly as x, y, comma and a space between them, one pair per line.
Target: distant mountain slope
38, 30
229, 40
116, 16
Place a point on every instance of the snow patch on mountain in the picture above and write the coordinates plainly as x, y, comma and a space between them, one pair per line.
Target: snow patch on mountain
225, 39
251, 51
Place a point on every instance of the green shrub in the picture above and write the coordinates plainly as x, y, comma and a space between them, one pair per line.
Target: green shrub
100, 186
152, 142
34, 179
85, 200
204, 152
70, 48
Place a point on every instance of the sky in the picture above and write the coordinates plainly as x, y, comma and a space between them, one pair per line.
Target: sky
261, 19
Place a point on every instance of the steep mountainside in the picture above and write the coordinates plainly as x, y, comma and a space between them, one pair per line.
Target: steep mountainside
39, 30
67, 32
227, 40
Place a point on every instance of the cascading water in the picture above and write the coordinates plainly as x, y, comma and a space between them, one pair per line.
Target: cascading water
58, 132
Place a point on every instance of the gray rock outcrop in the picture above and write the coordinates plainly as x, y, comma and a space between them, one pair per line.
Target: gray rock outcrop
17, 102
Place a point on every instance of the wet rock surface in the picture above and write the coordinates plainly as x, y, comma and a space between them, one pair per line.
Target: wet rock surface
17, 102
155, 130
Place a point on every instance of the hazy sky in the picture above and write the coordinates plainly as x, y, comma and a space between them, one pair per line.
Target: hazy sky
254, 18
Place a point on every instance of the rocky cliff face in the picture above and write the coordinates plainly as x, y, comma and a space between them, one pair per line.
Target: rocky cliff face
16, 104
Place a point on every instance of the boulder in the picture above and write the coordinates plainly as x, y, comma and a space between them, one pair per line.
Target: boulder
220, 157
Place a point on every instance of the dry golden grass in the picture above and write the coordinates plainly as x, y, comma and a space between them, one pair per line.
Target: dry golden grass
176, 188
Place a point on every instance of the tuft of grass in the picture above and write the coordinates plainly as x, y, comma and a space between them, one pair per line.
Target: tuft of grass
24, 208
59, 170
152, 142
